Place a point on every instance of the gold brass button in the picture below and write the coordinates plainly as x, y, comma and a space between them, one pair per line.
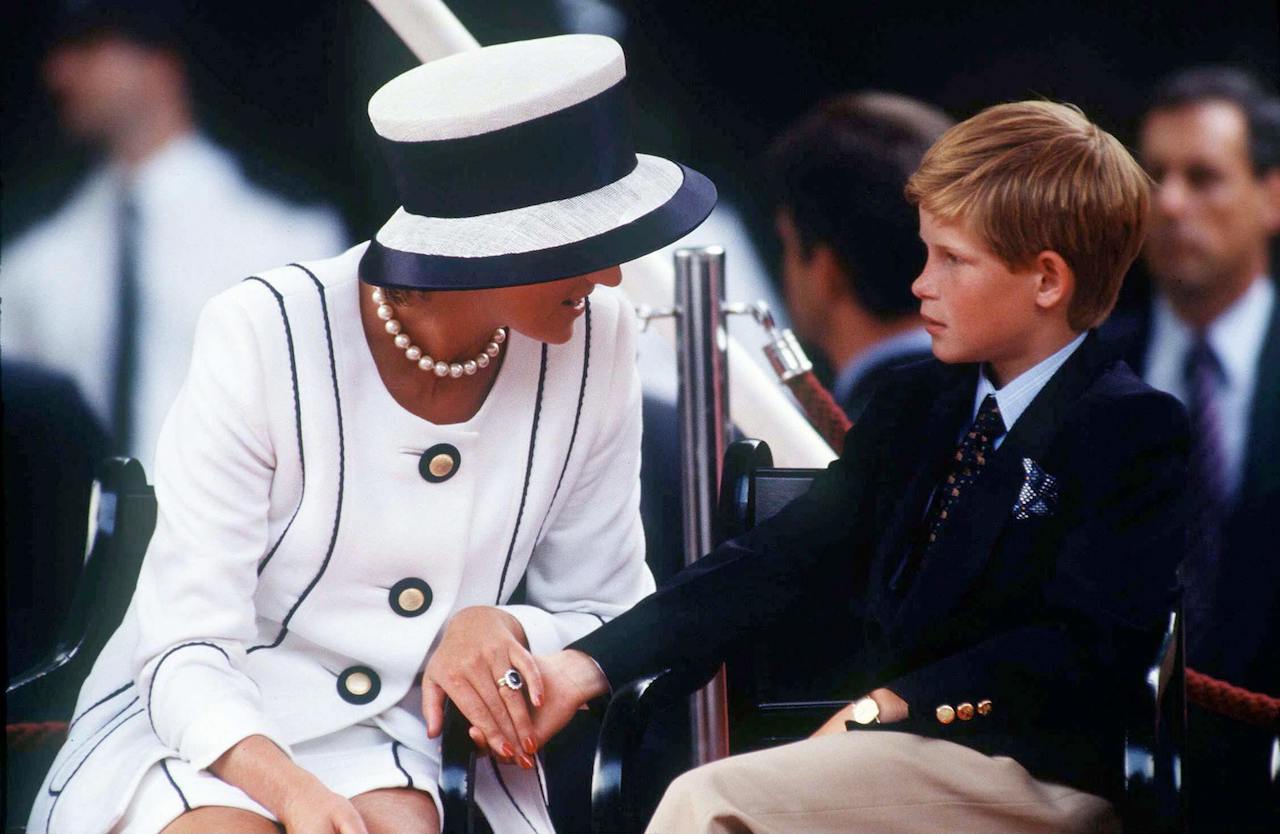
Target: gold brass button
984, 707
441, 465
359, 684
945, 714
964, 711
411, 599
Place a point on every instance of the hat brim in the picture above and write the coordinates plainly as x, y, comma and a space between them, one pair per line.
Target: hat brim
623, 225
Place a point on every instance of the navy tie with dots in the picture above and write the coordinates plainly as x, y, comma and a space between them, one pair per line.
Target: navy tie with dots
963, 468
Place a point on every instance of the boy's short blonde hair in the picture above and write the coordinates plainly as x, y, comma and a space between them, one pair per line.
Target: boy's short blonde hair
1034, 175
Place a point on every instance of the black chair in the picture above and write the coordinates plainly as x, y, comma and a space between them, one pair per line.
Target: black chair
123, 516
775, 695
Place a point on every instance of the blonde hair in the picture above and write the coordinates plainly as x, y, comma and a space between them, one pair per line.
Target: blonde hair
1035, 175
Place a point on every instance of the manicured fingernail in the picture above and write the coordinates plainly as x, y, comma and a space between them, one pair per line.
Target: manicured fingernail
529, 746
537, 699
526, 762
507, 750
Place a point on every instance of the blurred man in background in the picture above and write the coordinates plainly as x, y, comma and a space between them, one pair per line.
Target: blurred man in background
1211, 336
100, 300
107, 290
850, 247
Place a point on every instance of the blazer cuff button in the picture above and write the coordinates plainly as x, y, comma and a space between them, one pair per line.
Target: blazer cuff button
945, 714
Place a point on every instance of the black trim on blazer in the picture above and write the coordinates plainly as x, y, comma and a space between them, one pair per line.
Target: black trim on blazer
342, 463
53, 777
577, 416
57, 794
156, 672
528, 472
497, 774
164, 765
97, 704
395, 754
297, 418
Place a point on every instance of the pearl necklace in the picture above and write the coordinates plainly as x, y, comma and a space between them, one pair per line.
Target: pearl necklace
414, 353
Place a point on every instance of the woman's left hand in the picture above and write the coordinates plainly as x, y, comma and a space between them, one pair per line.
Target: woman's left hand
479, 645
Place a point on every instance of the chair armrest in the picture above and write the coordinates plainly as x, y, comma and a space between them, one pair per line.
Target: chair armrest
626, 718
457, 773
1155, 736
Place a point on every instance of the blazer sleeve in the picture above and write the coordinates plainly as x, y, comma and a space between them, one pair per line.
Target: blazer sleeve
194, 600
747, 583
1109, 592
589, 564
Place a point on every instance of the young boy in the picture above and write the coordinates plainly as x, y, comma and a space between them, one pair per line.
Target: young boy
1006, 520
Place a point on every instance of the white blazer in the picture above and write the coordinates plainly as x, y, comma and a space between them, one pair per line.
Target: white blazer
306, 557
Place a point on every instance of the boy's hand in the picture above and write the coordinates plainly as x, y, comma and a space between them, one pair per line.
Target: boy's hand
570, 679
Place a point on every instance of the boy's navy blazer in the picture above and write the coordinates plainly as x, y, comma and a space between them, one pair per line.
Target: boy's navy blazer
1041, 613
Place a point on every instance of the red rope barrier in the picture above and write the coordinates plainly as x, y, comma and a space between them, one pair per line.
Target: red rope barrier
823, 411
33, 735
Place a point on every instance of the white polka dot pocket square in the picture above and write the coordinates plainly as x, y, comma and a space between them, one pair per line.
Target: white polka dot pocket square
1038, 497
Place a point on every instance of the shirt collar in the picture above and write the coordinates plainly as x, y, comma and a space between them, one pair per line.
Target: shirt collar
1016, 396
1236, 336
915, 340
175, 172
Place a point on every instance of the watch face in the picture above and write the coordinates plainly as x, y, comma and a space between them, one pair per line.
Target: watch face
865, 711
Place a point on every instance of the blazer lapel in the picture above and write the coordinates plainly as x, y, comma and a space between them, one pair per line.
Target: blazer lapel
922, 453
1262, 471
973, 531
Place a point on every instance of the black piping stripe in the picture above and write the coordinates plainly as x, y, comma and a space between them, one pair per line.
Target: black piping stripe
502, 783
97, 704
297, 417
528, 472
164, 765
597, 616
72, 754
48, 823
342, 457
156, 673
577, 417
395, 754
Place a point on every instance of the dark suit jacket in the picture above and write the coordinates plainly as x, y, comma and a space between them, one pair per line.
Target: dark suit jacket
873, 378
1228, 762
1239, 643
1040, 616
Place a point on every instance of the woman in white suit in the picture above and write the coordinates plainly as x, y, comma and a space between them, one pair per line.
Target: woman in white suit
369, 454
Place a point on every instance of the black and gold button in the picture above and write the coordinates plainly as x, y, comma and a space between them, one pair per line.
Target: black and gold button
984, 707
945, 714
410, 597
439, 463
358, 685
964, 711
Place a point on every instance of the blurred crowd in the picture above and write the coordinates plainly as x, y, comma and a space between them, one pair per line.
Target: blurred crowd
100, 301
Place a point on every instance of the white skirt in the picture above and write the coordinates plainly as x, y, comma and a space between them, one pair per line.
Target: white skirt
349, 762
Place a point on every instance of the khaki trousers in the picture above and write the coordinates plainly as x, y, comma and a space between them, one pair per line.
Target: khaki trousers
874, 781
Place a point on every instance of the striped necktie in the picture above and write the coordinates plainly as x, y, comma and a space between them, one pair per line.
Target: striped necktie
1203, 375
126, 335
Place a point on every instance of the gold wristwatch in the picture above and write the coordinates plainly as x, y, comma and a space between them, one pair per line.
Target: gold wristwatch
866, 711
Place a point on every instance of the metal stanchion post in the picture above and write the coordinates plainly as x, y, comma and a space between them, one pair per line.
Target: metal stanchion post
703, 405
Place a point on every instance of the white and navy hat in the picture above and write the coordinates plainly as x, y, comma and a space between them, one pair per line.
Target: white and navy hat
515, 165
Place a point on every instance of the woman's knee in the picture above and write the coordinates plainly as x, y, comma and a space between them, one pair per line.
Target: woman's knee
221, 818
398, 811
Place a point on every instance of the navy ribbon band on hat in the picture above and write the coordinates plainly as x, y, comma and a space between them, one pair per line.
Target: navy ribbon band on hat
581, 148
692, 202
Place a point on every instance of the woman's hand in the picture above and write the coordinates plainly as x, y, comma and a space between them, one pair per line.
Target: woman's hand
298, 799
892, 709
570, 679
314, 809
479, 645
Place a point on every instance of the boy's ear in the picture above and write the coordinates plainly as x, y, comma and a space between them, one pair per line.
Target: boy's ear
1057, 280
